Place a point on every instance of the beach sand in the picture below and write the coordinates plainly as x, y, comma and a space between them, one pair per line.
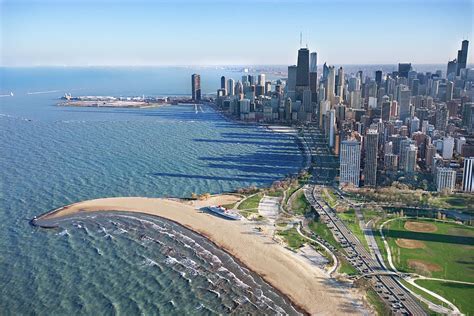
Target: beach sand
308, 287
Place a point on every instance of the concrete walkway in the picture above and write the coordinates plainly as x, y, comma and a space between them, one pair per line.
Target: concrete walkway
334, 258
269, 208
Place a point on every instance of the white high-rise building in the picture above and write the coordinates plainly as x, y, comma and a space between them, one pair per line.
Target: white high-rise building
468, 175
414, 125
356, 102
445, 179
448, 147
349, 159
261, 80
459, 143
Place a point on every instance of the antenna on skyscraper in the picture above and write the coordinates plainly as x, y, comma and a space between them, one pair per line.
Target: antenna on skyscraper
301, 39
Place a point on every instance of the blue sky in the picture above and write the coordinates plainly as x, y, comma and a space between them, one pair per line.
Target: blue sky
185, 32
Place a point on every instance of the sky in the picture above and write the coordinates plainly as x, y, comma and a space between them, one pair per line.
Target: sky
231, 32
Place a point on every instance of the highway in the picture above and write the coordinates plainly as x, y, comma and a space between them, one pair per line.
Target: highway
324, 172
400, 300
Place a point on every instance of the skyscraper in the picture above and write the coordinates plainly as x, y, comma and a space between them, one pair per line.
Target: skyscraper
462, 56
223, 83
291, 84
230, 87
404, 102
404, 69
441, 117
445, 179
261, 79
196, 87
452, 67
468, 175
371, 150
331, 126
340, 82
331, 82
313, 75
449, 90
302, 73
349, 160
378, 77
410, 159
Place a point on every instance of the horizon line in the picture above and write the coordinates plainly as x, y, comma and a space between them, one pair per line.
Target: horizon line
212, 65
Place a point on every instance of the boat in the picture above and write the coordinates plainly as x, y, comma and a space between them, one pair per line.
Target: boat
222, 211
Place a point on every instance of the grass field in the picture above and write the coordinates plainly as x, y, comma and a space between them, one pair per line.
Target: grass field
346, 267
350, 219
292, 238
324, 232
459, 201
275, 193
251, 202
292, 189
329, 196
447, 252
422, 293
299, 204
377, 303
459, 294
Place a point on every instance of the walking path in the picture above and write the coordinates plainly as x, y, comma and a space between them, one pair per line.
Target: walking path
335, 263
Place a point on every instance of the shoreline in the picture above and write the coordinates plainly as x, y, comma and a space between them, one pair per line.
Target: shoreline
295, 278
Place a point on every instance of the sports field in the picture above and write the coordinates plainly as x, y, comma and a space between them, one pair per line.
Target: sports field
443, 250
431, 248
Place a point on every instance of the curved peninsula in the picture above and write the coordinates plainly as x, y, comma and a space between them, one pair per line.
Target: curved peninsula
308, 287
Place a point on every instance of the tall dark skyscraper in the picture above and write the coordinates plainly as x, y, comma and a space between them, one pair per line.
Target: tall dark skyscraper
223, 83
404, 69
378, 77
452, 67
313, 76
196, 87
462, 56
302, 72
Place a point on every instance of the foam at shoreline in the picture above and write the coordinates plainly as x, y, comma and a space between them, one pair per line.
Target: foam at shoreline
306, 286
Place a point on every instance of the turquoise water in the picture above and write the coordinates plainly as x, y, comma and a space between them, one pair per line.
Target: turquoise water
51, 156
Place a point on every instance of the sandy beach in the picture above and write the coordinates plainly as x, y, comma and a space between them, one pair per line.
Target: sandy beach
308, 287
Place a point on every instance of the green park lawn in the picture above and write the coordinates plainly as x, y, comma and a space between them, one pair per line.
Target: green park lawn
292, 238
323, 231
251, 202
460, 295
446, 253
329, 197
299, 203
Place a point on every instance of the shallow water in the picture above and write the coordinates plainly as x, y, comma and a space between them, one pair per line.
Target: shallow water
52, 156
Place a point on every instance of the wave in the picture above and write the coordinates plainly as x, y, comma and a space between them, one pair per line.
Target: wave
149, 262
43, 92
63, 233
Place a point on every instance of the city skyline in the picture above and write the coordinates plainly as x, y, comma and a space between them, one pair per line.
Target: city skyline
121, 34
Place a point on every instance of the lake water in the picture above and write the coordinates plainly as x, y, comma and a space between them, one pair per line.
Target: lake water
51, 156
